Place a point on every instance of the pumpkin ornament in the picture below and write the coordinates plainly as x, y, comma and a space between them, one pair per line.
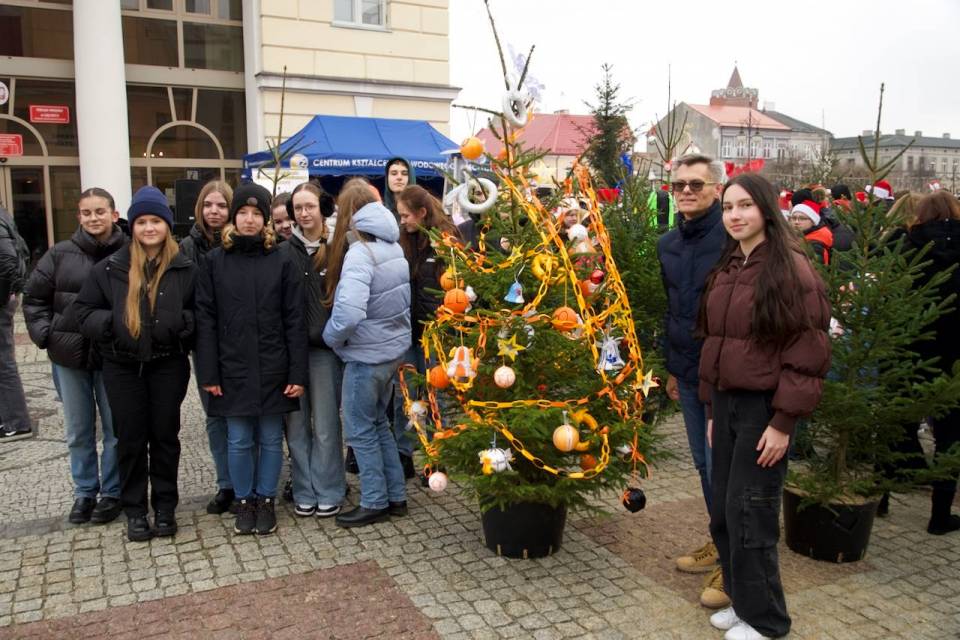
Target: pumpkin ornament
448, 281
471, 148
456, 300
438, 378
565, 319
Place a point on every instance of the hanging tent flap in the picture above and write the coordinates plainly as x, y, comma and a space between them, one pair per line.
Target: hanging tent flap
345, 146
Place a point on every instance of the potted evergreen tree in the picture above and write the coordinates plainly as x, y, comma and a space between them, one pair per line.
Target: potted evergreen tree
876, 384
535, 358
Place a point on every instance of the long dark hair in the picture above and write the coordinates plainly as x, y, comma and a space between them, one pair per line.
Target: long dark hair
415, 198
778, 313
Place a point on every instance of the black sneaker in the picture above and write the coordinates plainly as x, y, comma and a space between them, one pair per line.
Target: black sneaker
82, 510
407, 463
165, 524
107, 510
266, 516
246, 522
350, 465
7, 435
138, 529
397, 509
221, 502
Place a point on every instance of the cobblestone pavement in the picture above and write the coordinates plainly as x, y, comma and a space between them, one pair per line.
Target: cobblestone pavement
424, 576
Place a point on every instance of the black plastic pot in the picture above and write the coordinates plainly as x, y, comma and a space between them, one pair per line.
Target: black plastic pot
838, 533
524, 529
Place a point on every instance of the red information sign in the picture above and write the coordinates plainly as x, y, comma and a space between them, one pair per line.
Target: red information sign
11, 144
49, 114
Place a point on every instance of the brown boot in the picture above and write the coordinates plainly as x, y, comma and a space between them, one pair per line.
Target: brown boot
713, 595
702, 560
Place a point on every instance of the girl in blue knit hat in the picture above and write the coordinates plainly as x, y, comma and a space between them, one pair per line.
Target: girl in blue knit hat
137, 307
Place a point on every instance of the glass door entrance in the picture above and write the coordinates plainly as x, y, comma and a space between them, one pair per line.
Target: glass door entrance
22, 194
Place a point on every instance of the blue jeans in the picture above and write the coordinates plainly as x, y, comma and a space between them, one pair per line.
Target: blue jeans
367, 390
313, 435
695, 420
217, 440
82, 392
406, 440
253, 468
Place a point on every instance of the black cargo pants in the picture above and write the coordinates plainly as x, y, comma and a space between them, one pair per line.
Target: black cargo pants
745, 513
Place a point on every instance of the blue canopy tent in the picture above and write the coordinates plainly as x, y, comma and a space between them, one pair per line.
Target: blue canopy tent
349, 146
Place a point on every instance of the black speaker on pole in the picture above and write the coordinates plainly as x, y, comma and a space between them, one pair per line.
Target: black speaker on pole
185, 194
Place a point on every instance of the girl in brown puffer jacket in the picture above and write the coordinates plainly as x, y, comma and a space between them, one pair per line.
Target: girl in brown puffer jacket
764, 321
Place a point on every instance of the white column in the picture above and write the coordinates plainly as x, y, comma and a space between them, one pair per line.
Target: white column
102, 129
252, 66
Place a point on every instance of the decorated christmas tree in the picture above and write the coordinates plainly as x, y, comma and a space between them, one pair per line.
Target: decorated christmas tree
535, 359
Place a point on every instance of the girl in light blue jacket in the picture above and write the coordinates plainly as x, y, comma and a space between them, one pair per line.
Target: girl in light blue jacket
368, 284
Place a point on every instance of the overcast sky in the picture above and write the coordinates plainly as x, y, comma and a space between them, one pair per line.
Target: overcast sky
821, 61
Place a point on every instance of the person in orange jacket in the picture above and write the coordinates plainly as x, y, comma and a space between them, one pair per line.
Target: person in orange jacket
805, 218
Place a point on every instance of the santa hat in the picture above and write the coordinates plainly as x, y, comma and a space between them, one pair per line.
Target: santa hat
785, 202
881, 189
861, 197
808, 208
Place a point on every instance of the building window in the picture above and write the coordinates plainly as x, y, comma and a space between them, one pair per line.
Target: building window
727, 148
365, 13
909, 163
150, 41
212, 46
61, 138
193, 34
36, 33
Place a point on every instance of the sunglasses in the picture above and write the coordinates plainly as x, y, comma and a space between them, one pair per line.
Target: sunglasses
696, 186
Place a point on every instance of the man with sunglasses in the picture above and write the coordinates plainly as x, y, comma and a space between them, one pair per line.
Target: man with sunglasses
687, 254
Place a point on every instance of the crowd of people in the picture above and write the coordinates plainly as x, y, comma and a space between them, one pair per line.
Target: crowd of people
296, 311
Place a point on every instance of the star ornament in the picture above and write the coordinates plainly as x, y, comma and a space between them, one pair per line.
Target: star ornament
647, 383
509, 348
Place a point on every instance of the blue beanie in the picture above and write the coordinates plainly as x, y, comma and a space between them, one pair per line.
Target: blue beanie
149, 200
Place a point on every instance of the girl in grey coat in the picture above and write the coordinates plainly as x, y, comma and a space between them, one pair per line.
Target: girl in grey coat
368, 283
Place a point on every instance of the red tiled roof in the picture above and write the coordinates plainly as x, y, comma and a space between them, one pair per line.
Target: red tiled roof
727, 116
559, 134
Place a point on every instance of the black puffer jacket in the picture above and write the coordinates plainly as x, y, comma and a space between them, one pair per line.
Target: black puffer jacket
51, 289
687, 255
943, 236
313, 290
12, 251
169, 330
425, 271
196, 245
252, 339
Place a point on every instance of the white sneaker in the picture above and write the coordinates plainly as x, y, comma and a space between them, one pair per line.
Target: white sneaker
725, 619
304, 510
743, 631
327, 510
